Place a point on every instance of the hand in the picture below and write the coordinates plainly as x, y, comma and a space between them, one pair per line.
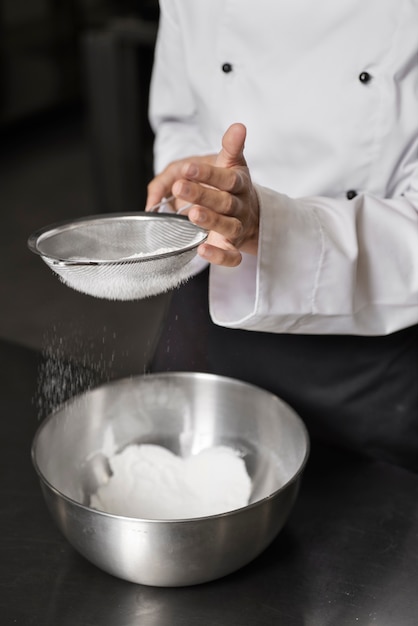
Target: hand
224, 200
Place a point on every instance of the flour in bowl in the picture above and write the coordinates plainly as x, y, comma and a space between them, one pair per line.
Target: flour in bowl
149, 481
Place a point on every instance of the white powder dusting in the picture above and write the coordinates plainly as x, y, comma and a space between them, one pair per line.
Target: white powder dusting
71, 364
128, 281
149, 481
157, 252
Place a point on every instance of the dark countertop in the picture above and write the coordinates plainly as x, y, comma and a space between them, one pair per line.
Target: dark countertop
348, 554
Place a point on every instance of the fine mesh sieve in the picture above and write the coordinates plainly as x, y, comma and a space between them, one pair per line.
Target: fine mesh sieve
120, 256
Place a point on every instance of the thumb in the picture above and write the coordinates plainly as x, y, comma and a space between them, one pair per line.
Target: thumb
232, 153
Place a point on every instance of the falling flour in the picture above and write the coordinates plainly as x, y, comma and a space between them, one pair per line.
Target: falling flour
71, 364
149, 481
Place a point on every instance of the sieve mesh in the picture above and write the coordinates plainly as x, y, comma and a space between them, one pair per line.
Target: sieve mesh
126, 256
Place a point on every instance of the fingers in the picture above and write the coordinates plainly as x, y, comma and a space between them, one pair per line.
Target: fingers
219, 256
232, 152
210, 197
233, 181
226, 174
160, 186
229, 227
158, 189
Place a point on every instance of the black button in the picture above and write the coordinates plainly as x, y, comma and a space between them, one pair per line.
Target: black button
351, 193
227, 67
365, 77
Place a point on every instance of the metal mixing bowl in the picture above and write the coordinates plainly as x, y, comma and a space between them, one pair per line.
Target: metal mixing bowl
185, 412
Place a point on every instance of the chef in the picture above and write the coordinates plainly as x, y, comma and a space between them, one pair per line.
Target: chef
293, 130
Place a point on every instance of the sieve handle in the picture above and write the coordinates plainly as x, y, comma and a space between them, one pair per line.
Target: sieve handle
155, 207
164, 201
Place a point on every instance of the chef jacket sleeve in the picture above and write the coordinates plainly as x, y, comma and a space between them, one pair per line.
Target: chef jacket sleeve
325, 266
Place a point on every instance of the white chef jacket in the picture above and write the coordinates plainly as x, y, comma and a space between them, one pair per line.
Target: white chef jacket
328, 92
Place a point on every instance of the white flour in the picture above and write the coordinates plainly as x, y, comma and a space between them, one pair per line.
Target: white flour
130, 280
151, 482
72, 364
138, 255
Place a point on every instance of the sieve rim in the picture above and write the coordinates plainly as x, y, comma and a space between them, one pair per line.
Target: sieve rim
35, 239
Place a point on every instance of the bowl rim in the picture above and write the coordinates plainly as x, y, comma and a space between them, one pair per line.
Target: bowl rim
172, 374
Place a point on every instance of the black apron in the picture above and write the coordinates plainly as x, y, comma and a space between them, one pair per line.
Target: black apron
358, 393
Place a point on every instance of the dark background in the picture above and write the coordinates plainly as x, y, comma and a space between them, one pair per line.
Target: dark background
40, 60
